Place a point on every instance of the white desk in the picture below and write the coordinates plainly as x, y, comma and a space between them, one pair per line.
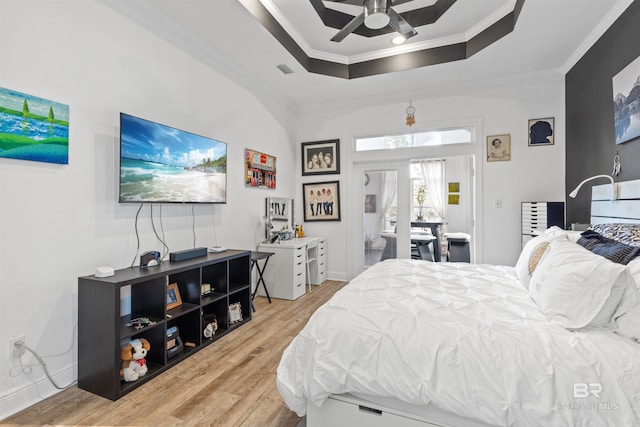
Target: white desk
286, 276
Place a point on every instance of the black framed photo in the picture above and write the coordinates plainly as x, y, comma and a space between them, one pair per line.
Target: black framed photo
541, 132
321, 201
321, 157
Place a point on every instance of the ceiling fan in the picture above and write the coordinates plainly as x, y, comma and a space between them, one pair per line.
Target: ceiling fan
376, 15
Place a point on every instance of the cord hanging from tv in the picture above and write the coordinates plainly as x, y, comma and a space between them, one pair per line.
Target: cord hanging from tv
162, 164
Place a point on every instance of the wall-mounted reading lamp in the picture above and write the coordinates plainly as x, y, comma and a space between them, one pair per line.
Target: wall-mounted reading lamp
614, 187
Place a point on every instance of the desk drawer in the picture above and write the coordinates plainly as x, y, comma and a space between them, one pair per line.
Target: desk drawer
299, 286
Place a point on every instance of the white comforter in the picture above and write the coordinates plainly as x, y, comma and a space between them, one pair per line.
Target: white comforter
466, 338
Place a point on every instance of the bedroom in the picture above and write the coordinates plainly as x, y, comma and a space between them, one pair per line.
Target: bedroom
70, 214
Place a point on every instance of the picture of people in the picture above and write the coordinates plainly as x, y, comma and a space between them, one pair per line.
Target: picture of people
541, 131
498, 148
321, 201
321, 158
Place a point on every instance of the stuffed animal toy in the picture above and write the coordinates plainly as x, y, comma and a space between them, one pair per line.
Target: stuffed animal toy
134, 364
210, 323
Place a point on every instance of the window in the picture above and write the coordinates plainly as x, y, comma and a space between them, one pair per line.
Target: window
464, 135
427, 184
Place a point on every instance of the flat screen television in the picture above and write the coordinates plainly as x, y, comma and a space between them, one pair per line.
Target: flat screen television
162, 164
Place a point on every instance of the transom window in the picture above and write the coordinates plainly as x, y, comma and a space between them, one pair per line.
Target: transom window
463, 135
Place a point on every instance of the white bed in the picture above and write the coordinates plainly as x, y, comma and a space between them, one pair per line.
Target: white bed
451, 344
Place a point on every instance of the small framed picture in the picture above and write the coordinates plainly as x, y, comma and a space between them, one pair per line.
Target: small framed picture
173, 296
205, 289
541, 132
321, 201
498, 148
235, 313
370, 203
321, 157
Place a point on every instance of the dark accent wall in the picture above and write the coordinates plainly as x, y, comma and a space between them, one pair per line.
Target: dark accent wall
590, 136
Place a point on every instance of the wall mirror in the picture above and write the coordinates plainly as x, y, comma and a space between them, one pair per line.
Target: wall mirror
278, 212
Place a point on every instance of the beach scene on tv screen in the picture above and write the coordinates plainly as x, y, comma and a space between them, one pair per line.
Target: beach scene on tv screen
163, 164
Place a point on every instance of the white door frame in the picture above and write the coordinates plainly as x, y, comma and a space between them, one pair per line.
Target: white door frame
357, 207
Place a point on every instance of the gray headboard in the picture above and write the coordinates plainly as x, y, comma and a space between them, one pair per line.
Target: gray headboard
626, 208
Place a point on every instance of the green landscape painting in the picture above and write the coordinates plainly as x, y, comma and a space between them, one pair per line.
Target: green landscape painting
33, 128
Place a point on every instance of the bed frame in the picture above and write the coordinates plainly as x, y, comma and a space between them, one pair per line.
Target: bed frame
349, 410
623, 209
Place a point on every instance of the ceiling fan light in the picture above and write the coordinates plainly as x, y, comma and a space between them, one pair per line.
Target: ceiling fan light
376, 20
375, 14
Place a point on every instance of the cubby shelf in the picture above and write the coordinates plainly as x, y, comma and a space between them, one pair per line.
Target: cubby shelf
107, 305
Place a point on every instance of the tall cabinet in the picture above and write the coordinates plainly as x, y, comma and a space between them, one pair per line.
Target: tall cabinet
109, 310
538, 216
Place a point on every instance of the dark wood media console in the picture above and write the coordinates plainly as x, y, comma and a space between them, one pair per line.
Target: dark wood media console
106, 305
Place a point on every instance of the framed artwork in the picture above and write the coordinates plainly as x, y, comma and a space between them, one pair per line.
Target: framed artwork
625, 103
454, 193
259, 169
541, 132
321, 201
235, 313
370, 203
33, 128
173, 296
498, 148
321, 157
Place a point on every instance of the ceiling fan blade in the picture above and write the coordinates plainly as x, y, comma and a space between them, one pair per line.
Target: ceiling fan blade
398, 23
397, 2
349, 28
353, 2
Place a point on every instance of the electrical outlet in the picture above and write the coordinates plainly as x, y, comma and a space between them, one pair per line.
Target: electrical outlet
13, 349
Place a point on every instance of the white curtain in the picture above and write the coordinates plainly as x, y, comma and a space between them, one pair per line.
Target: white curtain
433, 178
389, 190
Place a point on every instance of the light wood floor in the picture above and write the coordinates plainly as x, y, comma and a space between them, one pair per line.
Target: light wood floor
229, 383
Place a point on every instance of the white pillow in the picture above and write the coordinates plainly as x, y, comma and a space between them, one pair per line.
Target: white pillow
627, 317
522, 266
573, 286
573, 236
628, 325
634, 268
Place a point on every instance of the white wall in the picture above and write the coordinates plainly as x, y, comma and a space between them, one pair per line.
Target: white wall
534, 173
458, 216
58, 222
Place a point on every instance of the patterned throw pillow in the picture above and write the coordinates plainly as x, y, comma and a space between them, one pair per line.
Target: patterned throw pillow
613, 250
625, 233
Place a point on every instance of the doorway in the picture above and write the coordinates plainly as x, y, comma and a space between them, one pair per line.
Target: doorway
390, 205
